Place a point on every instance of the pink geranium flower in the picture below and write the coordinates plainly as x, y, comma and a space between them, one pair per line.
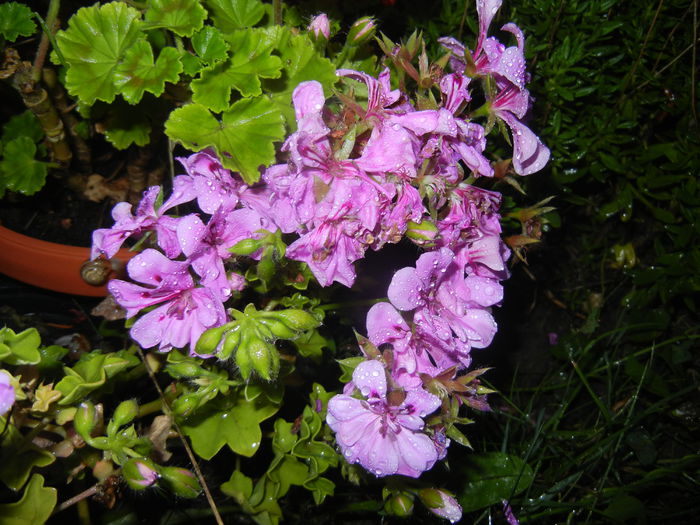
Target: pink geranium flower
385, 436
107, 241
7, 393
187, 312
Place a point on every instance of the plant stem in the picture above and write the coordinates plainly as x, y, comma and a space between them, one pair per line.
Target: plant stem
43, 48
168, 412
351, 304
277, 12
75, 499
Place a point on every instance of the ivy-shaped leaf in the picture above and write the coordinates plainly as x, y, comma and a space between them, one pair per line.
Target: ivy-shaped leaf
251, 61
229, 15
301, 62
210, 46
91, 372
243, 139
138, 73
93, 46
19, 170
35, 507
18, 457
21, 348
16, 20
234, 421
182, 17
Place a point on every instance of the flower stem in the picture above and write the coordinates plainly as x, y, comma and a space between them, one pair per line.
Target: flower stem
351, 304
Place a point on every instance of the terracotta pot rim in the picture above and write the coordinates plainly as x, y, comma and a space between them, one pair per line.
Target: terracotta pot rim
49, 265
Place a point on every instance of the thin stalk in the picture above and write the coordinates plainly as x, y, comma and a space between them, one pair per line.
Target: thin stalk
167, 411
351, 304
277, 12
46, 36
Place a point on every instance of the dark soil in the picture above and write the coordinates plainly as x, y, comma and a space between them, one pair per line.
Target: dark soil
55, 215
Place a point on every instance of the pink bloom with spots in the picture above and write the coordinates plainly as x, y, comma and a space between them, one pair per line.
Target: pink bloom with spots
383, 431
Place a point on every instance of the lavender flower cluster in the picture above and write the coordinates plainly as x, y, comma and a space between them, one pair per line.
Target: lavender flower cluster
358, 175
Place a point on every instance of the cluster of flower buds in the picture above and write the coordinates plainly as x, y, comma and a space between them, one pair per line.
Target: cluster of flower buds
359, 172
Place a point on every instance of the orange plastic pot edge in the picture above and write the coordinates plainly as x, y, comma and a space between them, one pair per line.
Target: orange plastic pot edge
49, 265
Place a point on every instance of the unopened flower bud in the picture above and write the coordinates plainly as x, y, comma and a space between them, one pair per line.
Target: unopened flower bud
125, 412
85, 420
320, 28
208, 342
422, 233
400, 505
361, 31
140, 473
256, 354
441, 503
245, 247
181, 481
185, 405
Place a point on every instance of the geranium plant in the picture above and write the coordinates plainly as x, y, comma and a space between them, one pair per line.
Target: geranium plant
309, 154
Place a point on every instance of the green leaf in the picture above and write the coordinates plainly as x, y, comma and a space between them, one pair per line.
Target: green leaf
490, 478
16, 20
21, 348
126, 125
34, 508
234, 422
22, 125
210, 45
18, 457
182, 17
301, 62
230, 15
243, 139
19, 170
251, 61
91, 372
138, 73
239, 487
94, 45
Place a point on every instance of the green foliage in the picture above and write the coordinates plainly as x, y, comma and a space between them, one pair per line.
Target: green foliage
137, 73
243, 138
93, 62
233, 421
490, 478
229, 15
251, 61
91, 372
19, 349
19, 169
182, 17
35, 506
19, 457
16, 20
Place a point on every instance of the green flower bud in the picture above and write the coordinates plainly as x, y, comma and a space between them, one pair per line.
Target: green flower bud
266, 269
140, 473
423, 233
183, 369
441, 503
400, 505
256, 354
232, 341
277, 328
85, 420
298, 320
361, 31
181, 481
125, 412
209, 341
245, 247
185, 405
